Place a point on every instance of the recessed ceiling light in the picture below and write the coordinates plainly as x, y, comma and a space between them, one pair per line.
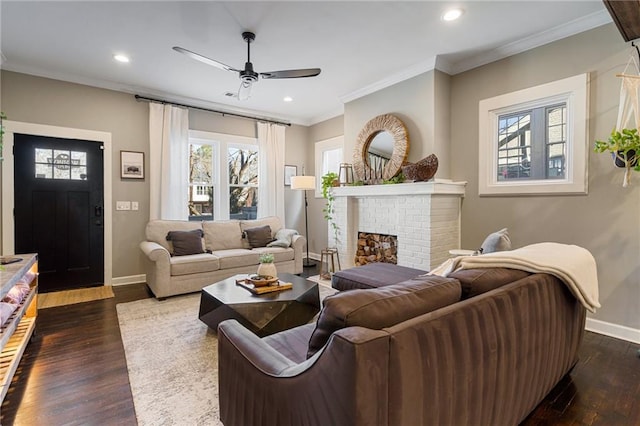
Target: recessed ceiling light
287, 99
452, 14
121, 58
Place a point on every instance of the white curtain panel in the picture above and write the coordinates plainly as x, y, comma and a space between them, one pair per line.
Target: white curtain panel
168, 161
271, 142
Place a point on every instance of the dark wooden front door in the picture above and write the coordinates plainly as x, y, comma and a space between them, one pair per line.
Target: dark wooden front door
58, 187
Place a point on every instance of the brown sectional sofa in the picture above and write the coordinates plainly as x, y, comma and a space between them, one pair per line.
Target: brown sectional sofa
486, 352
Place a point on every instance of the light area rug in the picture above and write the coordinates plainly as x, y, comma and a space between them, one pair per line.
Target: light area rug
70, 297
172, 360
321, 281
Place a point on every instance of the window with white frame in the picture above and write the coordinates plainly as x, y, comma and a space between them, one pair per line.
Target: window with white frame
328, 156
534, 141
223, 176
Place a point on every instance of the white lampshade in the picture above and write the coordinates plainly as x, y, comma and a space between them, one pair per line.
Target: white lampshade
303, 183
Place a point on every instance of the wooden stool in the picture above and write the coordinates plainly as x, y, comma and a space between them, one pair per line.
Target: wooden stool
326, 255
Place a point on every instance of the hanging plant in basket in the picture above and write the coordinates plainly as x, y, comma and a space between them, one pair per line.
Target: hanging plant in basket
624, 147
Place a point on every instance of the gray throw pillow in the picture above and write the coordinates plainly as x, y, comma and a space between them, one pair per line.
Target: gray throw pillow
186, 242
259, 236
497, 241
283, 238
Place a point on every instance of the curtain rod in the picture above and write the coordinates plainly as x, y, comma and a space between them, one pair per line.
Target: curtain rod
233, 114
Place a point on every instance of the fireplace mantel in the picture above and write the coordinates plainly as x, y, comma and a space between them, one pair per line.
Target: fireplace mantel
425, 216
439, 186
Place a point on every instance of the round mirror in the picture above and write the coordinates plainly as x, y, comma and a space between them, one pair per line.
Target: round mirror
381, 149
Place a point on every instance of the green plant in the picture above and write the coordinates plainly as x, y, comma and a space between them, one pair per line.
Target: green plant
266, 258
399, 178
328, 182
623, 146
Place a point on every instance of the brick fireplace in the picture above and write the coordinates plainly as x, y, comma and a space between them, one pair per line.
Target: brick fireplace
424, 217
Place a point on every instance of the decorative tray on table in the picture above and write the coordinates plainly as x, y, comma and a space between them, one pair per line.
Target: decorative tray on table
257, 284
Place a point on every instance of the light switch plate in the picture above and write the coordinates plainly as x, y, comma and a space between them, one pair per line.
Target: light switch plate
123, 205
134, 205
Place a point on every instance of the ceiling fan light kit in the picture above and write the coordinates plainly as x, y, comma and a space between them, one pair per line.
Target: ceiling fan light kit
247, 75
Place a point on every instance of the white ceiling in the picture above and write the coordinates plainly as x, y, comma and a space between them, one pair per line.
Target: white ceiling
360, 46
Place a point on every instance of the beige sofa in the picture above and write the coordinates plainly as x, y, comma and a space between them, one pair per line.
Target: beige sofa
228, 254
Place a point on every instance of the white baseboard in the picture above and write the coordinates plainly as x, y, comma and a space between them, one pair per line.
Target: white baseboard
613, 330
131, 279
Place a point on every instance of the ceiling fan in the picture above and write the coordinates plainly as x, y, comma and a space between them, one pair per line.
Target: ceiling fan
248, 76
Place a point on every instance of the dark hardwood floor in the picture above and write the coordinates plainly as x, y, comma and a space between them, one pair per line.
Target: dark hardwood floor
74, 373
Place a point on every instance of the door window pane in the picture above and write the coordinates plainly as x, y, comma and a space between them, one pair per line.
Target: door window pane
60, 164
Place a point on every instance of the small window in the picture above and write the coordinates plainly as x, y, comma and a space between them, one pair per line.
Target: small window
534, 141
328, 155
201, 178
243, 182
60, 164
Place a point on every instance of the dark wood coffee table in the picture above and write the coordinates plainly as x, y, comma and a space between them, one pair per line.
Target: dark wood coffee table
262, 314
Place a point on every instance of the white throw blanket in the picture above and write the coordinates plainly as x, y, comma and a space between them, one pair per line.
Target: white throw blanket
574, 265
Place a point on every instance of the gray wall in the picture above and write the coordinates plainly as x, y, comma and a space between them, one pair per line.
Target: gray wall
45, 101
607, 220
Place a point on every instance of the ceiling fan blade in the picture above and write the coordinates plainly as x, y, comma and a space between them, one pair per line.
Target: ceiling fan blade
204, 59
308, 72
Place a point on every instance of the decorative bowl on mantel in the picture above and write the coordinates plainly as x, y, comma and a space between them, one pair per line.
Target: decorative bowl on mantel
421, 171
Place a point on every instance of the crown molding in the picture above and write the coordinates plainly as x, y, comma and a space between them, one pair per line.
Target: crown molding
576, 26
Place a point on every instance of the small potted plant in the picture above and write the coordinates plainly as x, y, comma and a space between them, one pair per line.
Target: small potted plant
624, 147
267, 269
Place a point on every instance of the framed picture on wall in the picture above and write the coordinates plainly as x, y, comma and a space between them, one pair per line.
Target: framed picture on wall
289, 171
131, 165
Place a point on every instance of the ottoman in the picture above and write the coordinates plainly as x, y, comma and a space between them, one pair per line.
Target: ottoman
373, 275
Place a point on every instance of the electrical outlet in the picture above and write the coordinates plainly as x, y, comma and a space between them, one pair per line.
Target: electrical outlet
123, 205
134, 205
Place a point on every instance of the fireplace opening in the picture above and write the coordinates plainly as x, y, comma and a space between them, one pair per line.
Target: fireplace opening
376, 248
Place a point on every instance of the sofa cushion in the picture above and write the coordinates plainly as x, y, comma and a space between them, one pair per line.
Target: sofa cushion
157, 230
283, 238
186, 242
194, 264
478, 281
273, 221
496, 241
279, 254
235, 258
373, 275
258, 236
382, 307
222, 235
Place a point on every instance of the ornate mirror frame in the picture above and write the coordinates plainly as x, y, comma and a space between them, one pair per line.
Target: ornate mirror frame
382, 123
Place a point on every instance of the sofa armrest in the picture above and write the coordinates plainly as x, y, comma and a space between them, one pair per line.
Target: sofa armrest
154, 251
259, 354
157, 268
298, 243
345, 383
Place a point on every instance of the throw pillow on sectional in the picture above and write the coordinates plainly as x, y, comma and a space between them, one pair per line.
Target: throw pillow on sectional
186, 242
259, 236
496, 241
382, 307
